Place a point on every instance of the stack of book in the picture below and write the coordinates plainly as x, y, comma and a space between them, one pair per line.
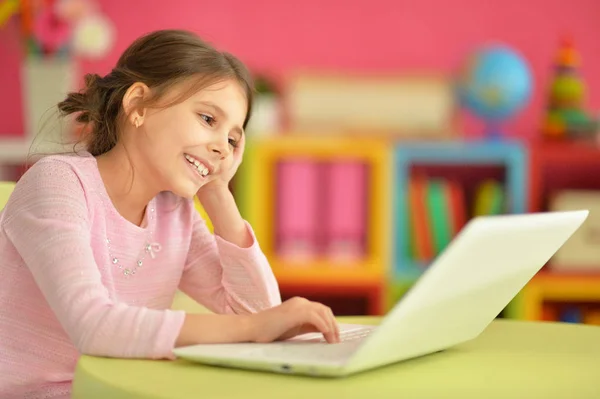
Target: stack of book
438, 209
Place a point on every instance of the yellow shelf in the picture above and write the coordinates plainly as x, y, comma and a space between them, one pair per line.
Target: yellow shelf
560, 288
260, 197
327, 273
568, 287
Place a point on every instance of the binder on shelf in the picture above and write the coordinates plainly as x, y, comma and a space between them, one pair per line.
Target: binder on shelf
489, 199
297, 207
437, 201
549, 312
345, 207
419, 220
457, 206
572, 314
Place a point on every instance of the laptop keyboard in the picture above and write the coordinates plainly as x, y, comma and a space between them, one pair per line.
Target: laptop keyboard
317, 348
344, 335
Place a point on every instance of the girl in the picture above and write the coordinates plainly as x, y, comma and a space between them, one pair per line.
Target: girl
93, 246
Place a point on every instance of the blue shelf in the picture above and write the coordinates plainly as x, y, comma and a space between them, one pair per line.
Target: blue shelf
510, 155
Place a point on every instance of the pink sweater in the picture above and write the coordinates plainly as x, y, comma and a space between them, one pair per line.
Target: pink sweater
62, 294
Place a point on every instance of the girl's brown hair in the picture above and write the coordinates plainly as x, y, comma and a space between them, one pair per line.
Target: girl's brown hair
161, 60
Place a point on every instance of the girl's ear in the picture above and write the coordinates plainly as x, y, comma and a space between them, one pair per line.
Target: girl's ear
133, 103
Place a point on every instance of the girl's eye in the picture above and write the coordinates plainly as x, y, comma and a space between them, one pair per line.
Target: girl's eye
208, 119
233, 143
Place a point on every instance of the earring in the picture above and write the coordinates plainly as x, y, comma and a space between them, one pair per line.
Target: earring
137, 123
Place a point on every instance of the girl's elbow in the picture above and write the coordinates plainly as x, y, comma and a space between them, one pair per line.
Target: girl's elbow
92, 343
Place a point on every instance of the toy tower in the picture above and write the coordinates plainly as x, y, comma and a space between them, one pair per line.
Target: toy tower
565, 115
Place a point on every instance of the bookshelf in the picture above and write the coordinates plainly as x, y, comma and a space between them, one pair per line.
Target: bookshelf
318, 273
464, 167
571, 292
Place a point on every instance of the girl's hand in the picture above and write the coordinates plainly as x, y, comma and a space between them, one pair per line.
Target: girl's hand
220, 206
294, 317
222, 179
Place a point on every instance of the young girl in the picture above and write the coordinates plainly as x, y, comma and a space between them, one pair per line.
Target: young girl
94, 245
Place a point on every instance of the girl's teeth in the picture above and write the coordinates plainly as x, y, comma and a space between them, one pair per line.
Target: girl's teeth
201, 169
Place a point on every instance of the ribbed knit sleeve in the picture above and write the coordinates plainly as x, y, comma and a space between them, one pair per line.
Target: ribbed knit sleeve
226, 278
48, 222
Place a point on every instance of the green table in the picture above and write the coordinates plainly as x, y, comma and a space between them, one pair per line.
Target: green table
510, 360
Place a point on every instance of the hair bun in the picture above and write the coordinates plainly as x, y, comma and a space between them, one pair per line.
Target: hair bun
87, 103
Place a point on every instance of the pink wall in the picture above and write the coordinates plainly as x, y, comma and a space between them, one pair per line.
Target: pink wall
365, 35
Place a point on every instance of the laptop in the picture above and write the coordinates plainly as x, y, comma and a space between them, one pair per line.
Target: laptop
463, 290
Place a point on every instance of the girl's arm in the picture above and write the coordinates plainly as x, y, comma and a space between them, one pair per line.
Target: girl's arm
47, 221
223, 212
227, 272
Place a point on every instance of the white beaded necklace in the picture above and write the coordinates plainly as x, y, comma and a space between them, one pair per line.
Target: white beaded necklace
149, 248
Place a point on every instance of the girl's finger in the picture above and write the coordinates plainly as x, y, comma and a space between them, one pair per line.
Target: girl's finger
328, 314
335, 324
315, 317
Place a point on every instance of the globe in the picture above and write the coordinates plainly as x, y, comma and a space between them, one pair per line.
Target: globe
494, 85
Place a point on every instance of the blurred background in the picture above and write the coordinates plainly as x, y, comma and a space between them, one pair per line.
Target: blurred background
381, 127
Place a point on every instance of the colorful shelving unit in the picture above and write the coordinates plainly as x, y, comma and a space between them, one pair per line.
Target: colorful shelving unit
526, 178
571, 293
554, 297
470, 166
364, 276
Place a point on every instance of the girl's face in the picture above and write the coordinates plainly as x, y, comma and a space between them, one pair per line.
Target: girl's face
187, 145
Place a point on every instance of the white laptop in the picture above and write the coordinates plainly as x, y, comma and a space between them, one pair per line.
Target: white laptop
456, 298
